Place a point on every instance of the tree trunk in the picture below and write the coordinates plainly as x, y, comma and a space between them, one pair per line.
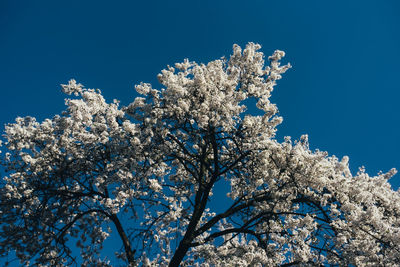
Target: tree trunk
130, 254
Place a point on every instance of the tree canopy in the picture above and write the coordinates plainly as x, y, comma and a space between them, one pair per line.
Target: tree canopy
151, 171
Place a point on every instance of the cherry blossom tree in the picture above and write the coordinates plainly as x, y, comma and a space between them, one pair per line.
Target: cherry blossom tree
150, 172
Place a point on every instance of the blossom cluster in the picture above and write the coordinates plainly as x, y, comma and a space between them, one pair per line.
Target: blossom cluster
154, 170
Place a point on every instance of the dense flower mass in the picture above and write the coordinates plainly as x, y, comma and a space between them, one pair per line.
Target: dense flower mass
153, 171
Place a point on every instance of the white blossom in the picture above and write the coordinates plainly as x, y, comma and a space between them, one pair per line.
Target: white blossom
160, 164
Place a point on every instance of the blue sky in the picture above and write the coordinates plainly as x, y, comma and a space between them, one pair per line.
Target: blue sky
343, 89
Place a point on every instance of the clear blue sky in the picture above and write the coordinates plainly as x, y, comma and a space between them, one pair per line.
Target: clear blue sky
343, 89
